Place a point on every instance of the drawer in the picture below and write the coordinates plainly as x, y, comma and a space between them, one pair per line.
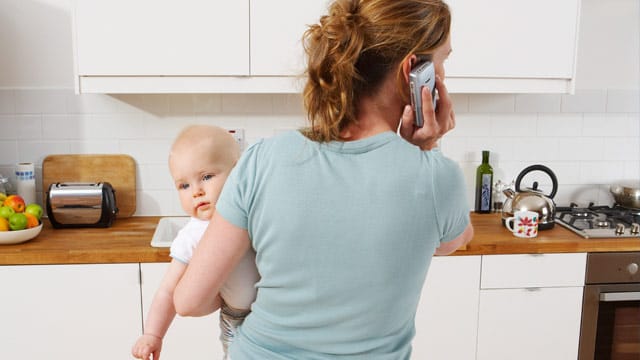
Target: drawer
530, 271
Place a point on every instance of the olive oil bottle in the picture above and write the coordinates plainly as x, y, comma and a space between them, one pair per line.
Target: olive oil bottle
484, 184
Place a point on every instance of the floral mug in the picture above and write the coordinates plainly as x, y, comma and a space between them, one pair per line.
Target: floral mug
523, 224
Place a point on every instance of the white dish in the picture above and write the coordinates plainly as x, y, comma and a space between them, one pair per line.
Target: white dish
19, 236
167, 230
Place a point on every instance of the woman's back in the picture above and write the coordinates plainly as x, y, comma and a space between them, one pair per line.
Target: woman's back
344, 241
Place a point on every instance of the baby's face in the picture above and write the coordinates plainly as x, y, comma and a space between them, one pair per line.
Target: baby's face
199, 180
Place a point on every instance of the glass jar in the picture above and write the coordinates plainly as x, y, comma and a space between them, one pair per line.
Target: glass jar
5, 185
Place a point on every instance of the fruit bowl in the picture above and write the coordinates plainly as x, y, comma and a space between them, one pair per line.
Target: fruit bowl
19, 236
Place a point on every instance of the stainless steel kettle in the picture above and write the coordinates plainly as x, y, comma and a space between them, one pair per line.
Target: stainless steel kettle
532, 199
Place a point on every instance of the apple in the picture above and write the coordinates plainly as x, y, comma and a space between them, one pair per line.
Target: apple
3, 196
4, 224
32, 220
16, 202
17, 221
6, 212
35, 210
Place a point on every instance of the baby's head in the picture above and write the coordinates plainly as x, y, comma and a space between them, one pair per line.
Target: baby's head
200, 160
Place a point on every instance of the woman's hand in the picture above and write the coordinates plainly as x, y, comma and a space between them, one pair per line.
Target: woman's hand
436, 124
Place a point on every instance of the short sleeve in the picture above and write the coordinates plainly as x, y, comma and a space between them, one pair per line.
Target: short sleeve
186, 240
449, 191
235, 199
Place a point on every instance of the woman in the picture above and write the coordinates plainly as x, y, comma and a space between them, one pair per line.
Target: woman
345, 215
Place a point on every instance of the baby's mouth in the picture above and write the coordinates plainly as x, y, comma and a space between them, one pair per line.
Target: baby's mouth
202, 206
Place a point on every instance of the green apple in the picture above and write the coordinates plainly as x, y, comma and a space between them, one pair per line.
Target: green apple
35, 210
6, 212
17, 221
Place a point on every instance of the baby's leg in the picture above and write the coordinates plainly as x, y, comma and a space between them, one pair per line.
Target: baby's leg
230, 319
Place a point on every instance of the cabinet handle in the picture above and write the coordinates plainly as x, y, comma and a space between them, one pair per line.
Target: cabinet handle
620, 296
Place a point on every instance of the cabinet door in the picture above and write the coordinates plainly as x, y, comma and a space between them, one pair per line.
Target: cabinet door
69, 311
170, 38
537, 323
187, 337
513, 39
447, 317
277, 27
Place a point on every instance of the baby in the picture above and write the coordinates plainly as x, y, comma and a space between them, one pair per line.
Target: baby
200, 160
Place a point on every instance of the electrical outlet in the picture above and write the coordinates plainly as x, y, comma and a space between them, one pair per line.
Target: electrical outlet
238, 134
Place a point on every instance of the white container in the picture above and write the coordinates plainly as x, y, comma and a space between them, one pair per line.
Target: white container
26, 182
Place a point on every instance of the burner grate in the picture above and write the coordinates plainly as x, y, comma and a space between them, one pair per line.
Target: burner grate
597, 221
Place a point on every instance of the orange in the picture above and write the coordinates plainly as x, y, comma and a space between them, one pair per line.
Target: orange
4, 224
32, 221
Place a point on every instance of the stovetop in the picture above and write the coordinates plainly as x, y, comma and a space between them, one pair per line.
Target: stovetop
600, 221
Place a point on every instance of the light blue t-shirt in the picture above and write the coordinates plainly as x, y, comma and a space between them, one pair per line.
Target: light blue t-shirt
344, 234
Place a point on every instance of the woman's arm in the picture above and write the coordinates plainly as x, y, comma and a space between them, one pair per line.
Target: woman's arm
450, 247
220, 249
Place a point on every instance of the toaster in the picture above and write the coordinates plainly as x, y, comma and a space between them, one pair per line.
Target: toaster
81, 205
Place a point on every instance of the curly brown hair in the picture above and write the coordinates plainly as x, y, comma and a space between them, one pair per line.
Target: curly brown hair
353, 48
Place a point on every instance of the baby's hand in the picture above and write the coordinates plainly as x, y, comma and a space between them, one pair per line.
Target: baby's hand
146, 346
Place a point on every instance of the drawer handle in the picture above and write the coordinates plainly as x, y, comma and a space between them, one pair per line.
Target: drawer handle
620, 296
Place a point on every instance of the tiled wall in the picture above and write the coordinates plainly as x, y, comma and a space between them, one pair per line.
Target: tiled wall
589, 139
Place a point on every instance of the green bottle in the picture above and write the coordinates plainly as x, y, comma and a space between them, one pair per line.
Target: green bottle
484, 184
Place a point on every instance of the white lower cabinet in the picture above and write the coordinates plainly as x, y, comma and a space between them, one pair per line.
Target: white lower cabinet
446, 321
534, 324
530, 306
69, 311
472, 307
187, 337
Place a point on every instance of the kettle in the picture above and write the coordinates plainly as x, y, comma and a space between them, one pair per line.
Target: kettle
532, 199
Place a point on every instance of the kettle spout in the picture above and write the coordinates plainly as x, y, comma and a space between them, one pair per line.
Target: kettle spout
509, 193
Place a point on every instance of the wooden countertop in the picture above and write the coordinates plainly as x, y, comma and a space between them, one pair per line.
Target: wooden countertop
128, 241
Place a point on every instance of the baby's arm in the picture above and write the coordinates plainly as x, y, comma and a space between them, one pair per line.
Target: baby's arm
160, 315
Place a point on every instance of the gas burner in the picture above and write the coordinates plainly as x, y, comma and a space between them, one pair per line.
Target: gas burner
599, 221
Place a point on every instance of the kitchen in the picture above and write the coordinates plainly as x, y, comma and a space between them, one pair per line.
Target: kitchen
590, 139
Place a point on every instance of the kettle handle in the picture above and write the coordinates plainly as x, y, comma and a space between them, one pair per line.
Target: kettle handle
542, 168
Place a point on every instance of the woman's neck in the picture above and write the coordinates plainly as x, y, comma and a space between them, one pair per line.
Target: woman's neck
378, 113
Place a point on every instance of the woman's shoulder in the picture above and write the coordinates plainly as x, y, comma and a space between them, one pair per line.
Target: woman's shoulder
283, 141
440, 163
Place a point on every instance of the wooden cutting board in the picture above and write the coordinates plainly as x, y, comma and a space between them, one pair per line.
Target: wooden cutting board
118, 169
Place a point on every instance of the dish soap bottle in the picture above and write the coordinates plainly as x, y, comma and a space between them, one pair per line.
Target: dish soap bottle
484, 184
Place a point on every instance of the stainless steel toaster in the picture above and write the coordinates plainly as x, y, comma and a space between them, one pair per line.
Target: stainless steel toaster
81, 205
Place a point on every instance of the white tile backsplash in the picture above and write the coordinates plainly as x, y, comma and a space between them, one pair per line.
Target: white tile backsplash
566, 125
513, 124
493, 103
538, 103
589, 139
40, 101
606, 125
585, 101
7, 102
8, 153
29, 126
625, 101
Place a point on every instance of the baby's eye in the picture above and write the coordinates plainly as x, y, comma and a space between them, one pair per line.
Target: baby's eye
207, 177
183, 186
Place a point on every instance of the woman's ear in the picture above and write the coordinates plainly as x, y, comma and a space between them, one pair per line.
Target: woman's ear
407, 65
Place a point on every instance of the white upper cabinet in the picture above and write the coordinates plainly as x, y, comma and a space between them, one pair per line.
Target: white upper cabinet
507, 46
254, 46
276, 39
162, 38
